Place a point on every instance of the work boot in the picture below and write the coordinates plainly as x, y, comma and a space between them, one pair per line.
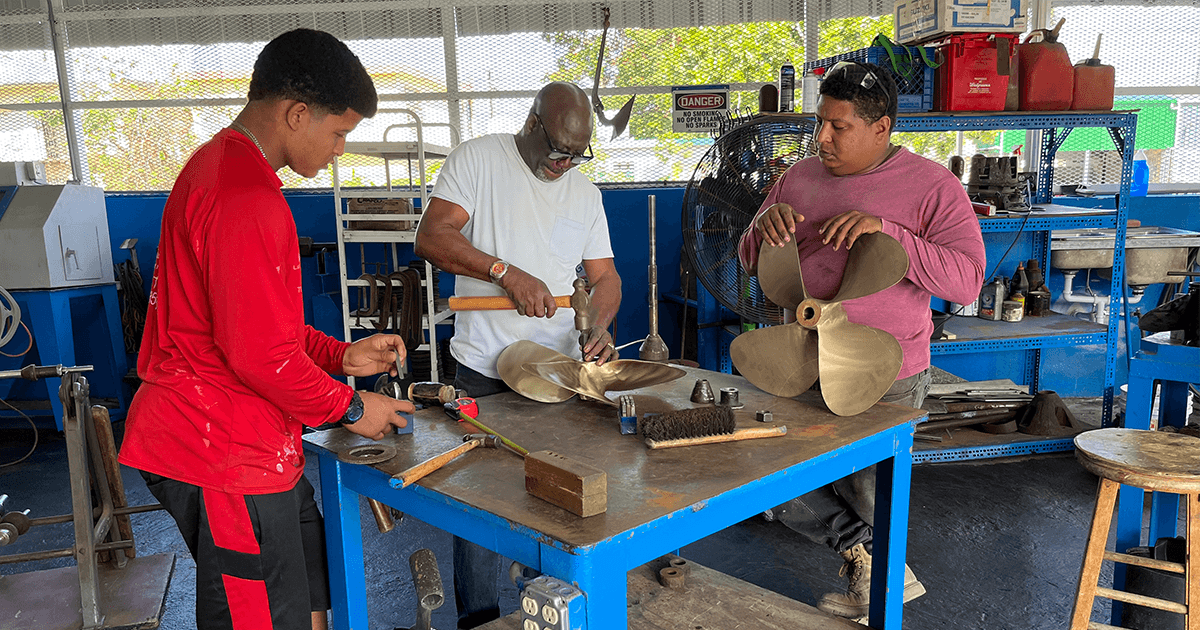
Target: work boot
857, 598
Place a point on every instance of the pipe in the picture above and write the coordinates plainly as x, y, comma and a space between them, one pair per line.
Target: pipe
654, 348
63, 553
1099, 303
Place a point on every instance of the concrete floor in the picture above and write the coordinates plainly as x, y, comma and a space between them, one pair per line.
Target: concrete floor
998, 543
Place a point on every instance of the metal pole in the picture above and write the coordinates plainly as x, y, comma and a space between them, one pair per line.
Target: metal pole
58, 40
74, 390
653, 349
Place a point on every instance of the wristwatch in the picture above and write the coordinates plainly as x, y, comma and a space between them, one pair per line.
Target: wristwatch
354, 412
497, 270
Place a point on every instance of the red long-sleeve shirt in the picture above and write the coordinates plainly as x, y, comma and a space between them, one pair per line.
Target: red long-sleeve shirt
920, 204
231, 372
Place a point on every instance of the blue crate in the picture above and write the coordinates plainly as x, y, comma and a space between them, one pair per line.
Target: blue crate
914, 93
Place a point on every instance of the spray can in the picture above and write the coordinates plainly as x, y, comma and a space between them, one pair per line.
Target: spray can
787, 87
991, 300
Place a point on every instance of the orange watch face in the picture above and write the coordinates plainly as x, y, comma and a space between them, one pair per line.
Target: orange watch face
498, 268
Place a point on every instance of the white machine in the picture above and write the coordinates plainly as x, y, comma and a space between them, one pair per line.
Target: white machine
51, 237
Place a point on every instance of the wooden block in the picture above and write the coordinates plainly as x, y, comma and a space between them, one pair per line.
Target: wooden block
577, 487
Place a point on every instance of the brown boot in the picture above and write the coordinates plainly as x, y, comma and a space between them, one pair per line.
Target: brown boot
857, 598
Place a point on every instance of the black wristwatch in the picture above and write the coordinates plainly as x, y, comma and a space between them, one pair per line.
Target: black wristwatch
354, 412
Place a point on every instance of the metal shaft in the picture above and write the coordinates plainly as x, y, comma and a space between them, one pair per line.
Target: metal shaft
503, 440
654, 348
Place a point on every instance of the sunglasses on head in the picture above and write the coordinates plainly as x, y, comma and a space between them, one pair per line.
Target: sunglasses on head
557, 154
869, 80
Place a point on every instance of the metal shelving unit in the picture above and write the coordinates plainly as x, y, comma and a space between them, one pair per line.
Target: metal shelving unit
436, 311
1031, 336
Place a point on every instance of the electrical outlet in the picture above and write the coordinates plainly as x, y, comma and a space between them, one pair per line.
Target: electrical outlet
551, 604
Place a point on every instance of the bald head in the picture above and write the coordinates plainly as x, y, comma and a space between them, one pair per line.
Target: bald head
559, 124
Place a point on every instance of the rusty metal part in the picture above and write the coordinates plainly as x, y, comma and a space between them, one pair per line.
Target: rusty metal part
367, 454
621, 120
107, 447
671, 577
702, 393
20, 520
680, 564
593, 380
764, 416
964, 419
427, 582
511, 364
582, 303
729, 398
383, 516
856, 364
8, 534
431, 393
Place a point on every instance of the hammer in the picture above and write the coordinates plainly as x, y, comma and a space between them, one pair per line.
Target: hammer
579, 300
406, 478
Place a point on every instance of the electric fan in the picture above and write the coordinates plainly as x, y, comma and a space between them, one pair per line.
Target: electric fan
728, 186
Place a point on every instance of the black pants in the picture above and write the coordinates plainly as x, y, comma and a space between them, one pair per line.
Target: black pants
260, 559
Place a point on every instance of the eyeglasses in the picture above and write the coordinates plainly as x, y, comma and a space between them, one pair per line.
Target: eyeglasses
557, 154
868, 81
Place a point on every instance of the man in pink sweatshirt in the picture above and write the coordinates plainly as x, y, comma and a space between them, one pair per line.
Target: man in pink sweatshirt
860, 183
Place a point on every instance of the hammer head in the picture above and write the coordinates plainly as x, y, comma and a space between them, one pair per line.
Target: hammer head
485, 440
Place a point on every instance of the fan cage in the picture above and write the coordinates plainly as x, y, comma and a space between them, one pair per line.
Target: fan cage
726, 190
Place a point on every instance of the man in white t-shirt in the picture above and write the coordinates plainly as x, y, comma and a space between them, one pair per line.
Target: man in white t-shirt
511, 216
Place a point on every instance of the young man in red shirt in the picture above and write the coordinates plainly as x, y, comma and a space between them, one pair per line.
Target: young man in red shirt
231, 373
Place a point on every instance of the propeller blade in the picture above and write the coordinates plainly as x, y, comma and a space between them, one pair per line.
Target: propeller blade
858, 363
780, 360
593, 380
779, 275
510, 365
877, 261
621, 120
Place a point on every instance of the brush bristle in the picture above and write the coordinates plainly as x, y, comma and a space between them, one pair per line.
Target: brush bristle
688, 423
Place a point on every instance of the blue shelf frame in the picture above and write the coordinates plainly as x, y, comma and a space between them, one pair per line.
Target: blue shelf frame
1055, 128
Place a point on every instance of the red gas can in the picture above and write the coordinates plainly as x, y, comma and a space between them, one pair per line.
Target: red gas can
1046, 76
1095, 83
975, 72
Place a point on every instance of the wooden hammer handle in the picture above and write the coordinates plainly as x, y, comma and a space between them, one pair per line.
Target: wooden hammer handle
418, 472
495, 303
740, 434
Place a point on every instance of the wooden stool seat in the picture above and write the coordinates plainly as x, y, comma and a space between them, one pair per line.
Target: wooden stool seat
1151, 460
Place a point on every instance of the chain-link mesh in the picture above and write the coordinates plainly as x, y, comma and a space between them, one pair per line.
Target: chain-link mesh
150, 81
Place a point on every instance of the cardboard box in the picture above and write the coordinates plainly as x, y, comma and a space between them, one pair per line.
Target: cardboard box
368, 205
919, 21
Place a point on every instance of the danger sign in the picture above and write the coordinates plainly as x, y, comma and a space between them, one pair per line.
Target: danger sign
699, 108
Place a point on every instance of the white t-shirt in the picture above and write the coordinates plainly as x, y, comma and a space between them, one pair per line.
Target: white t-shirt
545, 228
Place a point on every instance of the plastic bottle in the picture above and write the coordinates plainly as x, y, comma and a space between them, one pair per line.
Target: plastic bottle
787, 87
1094, 83
811, 89
1141, 175
1046, 76
991, 299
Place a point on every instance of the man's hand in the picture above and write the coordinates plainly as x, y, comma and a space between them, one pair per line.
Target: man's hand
532, 297
599, 346
380, 414
777, 225
373, 355
847, 227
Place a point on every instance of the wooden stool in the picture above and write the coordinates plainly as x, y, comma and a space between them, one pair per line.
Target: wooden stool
1151, 460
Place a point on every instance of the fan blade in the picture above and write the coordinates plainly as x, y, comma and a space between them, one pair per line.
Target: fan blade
780, 360
877, 261
858, 363
510, 365
779, 274
593, 380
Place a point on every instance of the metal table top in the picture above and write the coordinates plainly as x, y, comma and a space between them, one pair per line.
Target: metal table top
643, 485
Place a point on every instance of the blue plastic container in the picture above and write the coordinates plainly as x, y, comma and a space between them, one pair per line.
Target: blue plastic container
914, 79
1141, 176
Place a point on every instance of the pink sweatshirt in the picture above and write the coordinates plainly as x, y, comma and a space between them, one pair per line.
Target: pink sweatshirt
922, 205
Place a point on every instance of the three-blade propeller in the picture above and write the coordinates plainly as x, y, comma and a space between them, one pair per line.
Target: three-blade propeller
856, 364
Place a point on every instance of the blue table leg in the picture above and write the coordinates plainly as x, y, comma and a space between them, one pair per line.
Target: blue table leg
50, 320
343, 541
116, 339
892, 481
602, 579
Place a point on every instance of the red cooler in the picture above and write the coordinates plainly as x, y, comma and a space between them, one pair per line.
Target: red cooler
974, 72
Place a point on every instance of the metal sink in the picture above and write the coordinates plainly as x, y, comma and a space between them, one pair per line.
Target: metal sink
1150, 251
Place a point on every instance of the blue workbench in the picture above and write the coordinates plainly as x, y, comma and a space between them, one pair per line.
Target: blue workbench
658, 501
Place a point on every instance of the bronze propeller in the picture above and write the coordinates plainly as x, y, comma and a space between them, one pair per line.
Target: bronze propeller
856, 364
545, 375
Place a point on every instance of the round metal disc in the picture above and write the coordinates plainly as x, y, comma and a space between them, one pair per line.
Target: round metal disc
367, 454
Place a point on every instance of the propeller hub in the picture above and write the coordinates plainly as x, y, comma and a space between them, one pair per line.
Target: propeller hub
808, 313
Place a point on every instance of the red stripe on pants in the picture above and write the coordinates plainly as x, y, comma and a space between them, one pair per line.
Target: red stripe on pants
248, 605
229, 522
